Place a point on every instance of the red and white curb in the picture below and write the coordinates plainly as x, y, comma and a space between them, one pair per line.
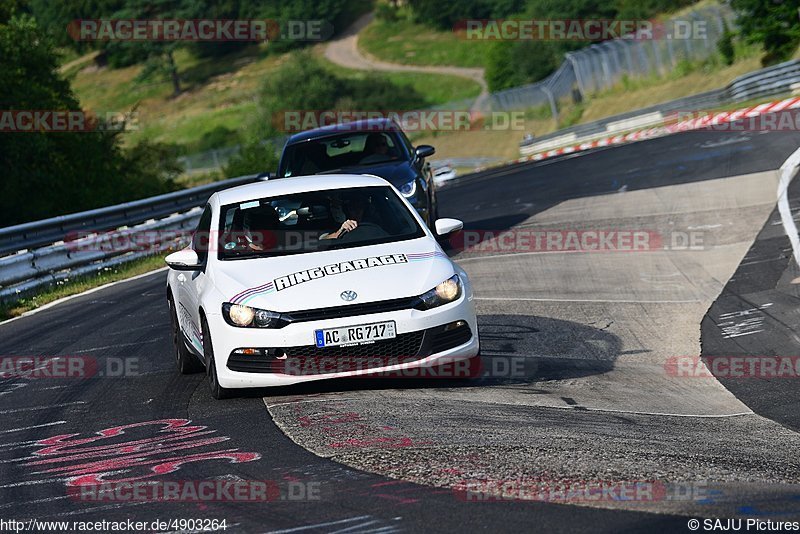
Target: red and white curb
704, 120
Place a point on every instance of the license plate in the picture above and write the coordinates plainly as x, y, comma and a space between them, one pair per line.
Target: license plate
355, 335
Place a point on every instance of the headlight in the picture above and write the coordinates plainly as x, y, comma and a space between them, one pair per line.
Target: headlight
408, 190
446, 292
247, 317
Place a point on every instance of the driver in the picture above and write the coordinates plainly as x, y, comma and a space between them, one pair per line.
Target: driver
260, 231
354, 208
377, 149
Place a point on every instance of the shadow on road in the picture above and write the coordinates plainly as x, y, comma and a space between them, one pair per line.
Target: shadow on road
516, 350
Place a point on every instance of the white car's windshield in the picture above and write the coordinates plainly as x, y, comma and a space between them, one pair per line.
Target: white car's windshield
315, 221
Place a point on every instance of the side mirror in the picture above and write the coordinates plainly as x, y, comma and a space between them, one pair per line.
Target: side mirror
184, 260
447, 227
424, 151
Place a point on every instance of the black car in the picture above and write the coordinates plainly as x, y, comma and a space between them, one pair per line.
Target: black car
378, 147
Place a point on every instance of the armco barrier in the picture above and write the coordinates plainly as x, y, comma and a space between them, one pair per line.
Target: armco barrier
48, 231
71, 245
706, 120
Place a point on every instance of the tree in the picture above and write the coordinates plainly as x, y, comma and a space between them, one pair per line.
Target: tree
52, 173
725, 45
160, 59
773, 24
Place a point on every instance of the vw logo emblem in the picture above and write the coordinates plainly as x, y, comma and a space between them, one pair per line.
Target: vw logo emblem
349, 295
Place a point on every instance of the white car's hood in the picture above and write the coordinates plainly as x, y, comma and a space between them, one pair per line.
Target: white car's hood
317, 280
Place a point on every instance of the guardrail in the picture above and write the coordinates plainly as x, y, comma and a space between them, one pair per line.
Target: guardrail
54, 249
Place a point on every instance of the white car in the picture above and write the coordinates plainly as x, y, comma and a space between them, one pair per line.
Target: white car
443, 174
319, 277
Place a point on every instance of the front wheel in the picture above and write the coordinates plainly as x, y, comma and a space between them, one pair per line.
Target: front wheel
217, 391
186, 361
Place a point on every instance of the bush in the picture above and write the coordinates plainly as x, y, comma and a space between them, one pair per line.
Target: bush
303, 84
254, 157
217, 138
725, 45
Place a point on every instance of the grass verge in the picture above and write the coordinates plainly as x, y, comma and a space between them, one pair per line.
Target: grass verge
406, 42
74, 286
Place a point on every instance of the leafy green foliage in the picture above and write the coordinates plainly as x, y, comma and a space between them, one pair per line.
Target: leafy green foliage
254, 157
725, 45
47, 174
773, 24
445, 14
303, 84
514, 63
56, 15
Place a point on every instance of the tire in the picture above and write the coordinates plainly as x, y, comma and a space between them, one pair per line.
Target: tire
186, 361
217, 391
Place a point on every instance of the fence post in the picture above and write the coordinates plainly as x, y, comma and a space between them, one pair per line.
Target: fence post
552, 100
578, 74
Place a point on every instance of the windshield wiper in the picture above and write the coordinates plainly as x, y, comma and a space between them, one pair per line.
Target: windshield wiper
340, 169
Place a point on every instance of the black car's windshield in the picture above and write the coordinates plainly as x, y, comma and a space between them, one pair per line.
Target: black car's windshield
347, 150
315, 221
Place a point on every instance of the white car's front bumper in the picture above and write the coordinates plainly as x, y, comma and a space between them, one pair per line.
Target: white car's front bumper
226, 338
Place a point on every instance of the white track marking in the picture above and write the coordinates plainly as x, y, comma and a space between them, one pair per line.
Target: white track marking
31, 427
30, 483
320, 525
100, 508
116, 346
337, 399
37, 501
50, 407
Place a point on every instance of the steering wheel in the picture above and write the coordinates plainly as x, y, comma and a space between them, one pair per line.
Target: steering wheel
369, 227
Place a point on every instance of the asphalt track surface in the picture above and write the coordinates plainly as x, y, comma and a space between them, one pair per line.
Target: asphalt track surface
592, 400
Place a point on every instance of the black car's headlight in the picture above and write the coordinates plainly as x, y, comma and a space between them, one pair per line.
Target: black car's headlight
248, 317
409, 189
446, 292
